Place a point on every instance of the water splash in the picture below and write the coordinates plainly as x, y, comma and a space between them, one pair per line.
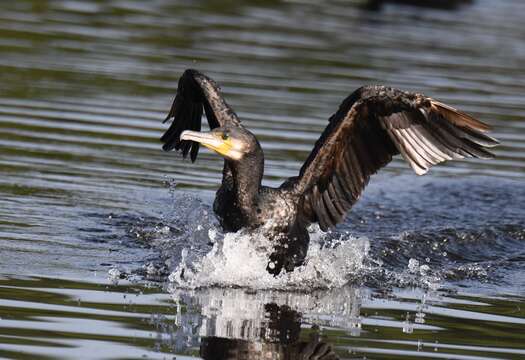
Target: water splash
189, 248
240, 260
197, 254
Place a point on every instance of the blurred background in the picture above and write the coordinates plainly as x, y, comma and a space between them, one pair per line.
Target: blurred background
85, 85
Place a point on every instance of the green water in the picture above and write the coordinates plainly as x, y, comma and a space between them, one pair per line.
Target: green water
83, 182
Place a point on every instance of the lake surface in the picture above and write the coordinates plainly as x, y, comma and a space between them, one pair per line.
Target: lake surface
97, 223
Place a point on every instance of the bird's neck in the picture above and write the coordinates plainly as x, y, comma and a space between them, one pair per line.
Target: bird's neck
247, 177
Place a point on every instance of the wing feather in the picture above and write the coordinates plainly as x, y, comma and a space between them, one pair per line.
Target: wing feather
371, 126
195, 93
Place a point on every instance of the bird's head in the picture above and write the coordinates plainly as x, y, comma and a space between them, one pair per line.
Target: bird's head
232, 142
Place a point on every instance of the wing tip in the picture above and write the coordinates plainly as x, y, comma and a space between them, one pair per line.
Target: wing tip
419, 171
167, 118
191, 73
491, 142
458, 117
486, 155
167, 147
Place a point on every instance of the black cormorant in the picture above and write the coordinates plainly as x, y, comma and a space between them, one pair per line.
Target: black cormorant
372, 125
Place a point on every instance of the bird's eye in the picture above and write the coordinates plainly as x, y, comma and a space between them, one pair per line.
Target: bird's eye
225, 136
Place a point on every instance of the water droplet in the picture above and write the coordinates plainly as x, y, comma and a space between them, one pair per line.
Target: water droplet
408, 327
424, 269
114, 274
413, 265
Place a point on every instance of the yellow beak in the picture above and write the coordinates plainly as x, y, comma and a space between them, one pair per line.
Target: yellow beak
210, 140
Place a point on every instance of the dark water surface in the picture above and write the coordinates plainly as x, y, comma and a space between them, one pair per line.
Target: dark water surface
436, 263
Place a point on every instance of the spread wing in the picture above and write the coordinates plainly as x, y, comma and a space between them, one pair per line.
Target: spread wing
195, 92
371, 126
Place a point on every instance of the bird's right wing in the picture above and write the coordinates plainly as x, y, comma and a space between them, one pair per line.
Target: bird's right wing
372, 125
195, 92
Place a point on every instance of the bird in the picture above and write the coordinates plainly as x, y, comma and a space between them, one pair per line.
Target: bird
372, 125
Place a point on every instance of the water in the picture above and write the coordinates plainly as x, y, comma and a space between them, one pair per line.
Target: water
97, 224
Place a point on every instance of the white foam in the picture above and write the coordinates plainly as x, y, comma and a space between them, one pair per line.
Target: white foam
199, 255
240, 259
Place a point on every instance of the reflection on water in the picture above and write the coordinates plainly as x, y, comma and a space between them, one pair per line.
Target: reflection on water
85, 188
52, 318
267, 325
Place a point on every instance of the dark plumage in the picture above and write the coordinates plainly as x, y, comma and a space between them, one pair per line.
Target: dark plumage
371, 126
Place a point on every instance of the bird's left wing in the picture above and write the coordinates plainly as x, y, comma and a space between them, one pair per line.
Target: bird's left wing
372, 125
195, 92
